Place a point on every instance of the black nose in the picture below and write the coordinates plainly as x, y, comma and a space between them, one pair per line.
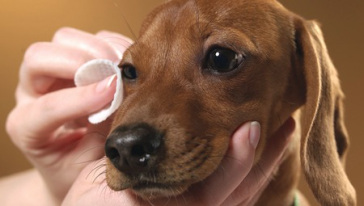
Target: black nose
134, 149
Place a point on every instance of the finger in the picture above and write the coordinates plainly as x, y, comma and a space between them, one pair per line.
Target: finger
233, 169
45, 62
117, 41
90, 188
262, 172
50, 111
86, 42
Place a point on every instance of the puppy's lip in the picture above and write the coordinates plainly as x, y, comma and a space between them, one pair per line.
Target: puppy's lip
154, 190
153, 185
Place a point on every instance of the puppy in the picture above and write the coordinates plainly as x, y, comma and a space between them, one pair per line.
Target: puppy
201, 68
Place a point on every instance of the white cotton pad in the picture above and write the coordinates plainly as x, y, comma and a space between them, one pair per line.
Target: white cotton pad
94, 71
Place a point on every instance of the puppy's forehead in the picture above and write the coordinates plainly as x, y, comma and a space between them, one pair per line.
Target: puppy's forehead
185, 25
258, 19
171, 20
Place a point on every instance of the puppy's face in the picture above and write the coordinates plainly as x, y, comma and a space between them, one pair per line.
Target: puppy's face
198, 71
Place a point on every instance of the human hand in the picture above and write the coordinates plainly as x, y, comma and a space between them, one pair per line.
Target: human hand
237, 181
49, 122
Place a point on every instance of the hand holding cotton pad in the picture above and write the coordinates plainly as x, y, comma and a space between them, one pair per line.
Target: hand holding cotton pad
94, 71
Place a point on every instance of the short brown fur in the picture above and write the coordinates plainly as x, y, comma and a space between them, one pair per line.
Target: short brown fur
286, 72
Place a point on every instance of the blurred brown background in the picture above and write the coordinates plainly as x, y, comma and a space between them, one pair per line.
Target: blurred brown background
23, 22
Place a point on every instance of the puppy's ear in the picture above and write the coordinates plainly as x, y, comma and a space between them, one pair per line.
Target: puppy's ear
324, 137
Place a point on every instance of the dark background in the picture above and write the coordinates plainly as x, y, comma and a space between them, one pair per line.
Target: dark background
23, 22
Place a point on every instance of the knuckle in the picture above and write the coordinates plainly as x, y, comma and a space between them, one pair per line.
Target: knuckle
103, 33
100, 50
32, 56
33, 50
114, 35
62, 32
107, 50
105, 53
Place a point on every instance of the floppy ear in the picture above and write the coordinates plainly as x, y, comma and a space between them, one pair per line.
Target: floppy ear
324, 137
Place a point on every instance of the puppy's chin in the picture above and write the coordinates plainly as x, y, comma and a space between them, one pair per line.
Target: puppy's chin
145, 189
155, 191
149, 190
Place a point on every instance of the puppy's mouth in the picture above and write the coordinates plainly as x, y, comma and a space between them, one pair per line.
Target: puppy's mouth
151, 185
148, 185
152, 190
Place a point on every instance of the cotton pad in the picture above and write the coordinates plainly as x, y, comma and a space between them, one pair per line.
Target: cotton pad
94, 71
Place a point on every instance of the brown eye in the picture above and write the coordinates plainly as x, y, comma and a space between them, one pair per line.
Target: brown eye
223, 60
129, 72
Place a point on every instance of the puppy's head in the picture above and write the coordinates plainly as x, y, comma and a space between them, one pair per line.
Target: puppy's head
199, 69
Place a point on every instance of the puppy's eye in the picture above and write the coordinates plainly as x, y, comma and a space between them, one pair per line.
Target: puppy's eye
223, 60
129, 72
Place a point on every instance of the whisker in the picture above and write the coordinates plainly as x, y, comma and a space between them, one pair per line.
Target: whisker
95, 132
129, 27
99, 135
124, 19
183, 197
96, 169
175, 198
104, 190
98, 166
168, 200
84, 152
149, 201
101, 173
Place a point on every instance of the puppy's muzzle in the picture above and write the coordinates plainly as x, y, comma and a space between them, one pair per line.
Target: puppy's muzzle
135, 149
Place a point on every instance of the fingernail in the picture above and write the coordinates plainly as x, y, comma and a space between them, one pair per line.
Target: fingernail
112, 78
106, 83
254, 133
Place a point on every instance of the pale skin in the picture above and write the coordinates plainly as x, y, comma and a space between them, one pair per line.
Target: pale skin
48, 124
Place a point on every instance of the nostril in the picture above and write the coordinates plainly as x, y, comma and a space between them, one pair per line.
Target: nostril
112, 153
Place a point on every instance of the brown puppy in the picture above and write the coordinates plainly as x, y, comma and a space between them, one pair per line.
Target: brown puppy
199, 69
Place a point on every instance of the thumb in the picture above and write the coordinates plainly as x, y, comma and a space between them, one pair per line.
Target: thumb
118, 42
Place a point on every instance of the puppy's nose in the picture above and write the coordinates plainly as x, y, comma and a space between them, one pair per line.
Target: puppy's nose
134, 149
